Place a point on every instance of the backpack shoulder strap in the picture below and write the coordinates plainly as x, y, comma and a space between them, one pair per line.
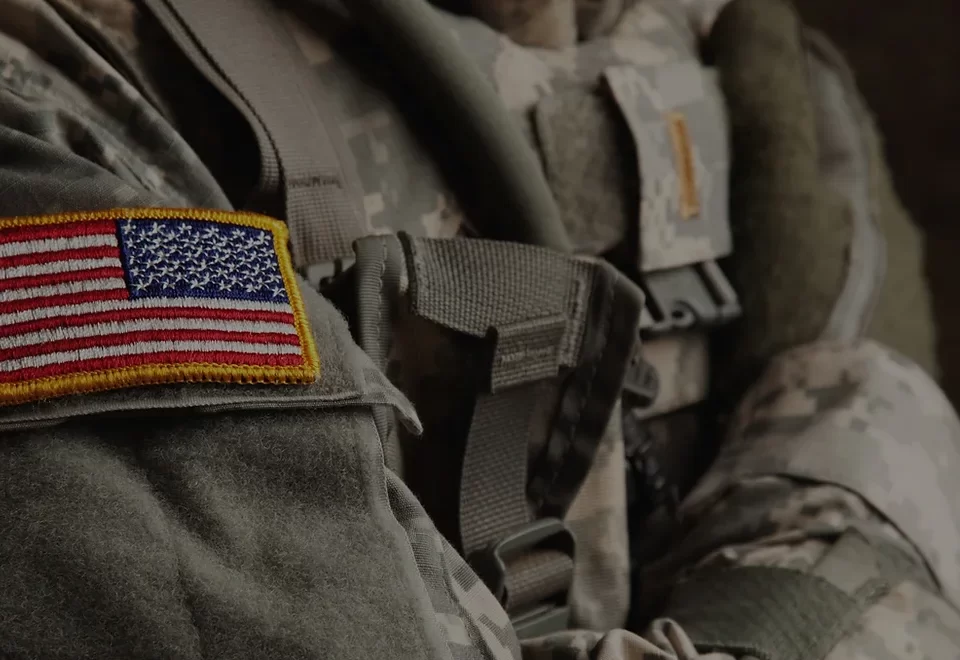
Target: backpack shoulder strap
307, 174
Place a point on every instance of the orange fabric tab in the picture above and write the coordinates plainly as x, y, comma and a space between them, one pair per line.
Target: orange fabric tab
686, 169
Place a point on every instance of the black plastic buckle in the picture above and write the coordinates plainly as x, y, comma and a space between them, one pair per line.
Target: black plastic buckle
550, 616
690, 296
321, 275
648, 488
641, 382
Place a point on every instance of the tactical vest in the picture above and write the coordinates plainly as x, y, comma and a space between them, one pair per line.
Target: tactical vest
535, 367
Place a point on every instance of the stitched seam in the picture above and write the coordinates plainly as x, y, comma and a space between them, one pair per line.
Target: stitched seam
382, 296
575, 423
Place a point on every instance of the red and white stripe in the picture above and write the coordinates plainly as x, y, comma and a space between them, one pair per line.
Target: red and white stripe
65, 308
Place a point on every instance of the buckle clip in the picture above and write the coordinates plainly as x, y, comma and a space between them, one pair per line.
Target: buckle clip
548, 616
690, 296
321, 275
641, 382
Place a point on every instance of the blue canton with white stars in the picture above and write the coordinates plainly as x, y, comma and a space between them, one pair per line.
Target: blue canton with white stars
200, 259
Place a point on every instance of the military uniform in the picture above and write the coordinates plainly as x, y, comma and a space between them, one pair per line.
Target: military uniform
172, 511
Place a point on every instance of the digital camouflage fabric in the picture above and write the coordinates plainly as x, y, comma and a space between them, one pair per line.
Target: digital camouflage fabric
202, 521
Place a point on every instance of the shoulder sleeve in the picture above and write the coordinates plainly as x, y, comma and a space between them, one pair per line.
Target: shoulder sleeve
863, 418
75, 134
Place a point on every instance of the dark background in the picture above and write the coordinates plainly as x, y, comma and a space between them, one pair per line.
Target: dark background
906, 56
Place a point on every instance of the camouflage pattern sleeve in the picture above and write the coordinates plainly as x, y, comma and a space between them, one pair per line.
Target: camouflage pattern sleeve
832, 445
67, 114
864, 418
550, 24
467, 614
546, 23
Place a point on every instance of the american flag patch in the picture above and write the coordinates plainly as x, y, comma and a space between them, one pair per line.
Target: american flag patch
96, 301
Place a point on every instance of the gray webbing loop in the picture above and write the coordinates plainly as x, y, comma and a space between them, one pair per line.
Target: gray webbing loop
242, 48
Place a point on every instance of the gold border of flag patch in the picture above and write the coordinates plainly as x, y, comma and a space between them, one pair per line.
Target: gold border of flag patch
169, 373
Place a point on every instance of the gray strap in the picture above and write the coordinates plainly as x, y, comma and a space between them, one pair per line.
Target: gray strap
765, 612
536, 577
774, 613
524, 293
493, 490
528, 301
246, 52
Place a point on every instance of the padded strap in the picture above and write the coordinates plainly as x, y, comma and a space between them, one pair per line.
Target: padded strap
245, 51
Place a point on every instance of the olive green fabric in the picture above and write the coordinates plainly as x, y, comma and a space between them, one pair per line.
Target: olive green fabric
233, 533
784, 220
838, 255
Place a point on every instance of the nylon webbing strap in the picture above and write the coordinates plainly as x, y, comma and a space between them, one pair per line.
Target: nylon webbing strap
242, 47
560, 331
536, 577
766, 612
777, 613
493, 491
524, 293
